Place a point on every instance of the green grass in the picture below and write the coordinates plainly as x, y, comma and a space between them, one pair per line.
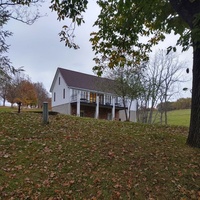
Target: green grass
179, 117
82, 158
15, 109
176, 117
7, 109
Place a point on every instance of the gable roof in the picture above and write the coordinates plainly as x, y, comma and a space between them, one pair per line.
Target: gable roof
85, 81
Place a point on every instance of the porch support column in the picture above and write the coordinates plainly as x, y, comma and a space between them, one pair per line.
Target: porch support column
78, 104
113, 108
88, 98
97, 108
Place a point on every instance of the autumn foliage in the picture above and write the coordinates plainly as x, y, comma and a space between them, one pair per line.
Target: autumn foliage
27, 94
22, 91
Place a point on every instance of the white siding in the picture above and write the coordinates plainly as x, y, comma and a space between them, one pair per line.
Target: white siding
132, 116
64, 109
134, 105
57, 92
132, 112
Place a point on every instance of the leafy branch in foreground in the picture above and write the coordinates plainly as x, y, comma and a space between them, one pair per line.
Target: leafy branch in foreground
69, 10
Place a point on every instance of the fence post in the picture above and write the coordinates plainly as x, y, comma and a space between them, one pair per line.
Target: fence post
45, 113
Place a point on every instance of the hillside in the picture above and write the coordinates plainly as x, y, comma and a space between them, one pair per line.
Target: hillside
81, 158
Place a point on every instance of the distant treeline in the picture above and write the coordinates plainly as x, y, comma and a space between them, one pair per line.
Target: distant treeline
182, 103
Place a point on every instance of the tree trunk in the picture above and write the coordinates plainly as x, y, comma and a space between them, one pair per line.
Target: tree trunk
4, 101
137, 112
161, 117
165, 117
166, 109
124, 103
129, 113
150, 115
19, 106
188, 10
194, 131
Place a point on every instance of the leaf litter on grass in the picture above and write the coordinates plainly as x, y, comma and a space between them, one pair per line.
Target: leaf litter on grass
82, 158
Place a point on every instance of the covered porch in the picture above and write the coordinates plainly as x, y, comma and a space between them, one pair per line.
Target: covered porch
96, 107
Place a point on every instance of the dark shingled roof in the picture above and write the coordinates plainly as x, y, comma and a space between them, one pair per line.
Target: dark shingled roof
85, 81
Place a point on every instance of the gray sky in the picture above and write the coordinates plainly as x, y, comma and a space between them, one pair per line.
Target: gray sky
39, 50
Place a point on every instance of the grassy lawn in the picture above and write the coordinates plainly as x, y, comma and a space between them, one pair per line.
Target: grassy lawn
15, 109
179, 117
7, 109
81, 158
176, 117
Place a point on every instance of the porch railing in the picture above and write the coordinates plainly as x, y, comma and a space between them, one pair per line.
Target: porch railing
74, 98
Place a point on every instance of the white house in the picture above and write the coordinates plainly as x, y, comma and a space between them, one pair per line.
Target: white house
85, 95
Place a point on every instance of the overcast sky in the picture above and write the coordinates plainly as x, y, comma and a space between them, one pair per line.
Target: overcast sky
39, 50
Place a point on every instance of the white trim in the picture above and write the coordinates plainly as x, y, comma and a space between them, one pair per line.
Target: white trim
113, 108
93, 91
97, 107
78, 104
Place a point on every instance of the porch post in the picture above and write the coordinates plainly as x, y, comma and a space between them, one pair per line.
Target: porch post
88, 97
97, 107
78, 104
113, 108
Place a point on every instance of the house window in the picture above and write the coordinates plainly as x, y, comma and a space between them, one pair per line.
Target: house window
84, 95
92, 97
54, 96
101, 98
74, 94
117, 101
63, 93
59, 81
108, 99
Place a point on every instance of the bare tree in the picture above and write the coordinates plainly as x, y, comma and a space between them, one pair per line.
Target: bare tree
163, 73
171, 77
6, 76
151, 84
20, 10
42, 94
127, 85
13, 87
